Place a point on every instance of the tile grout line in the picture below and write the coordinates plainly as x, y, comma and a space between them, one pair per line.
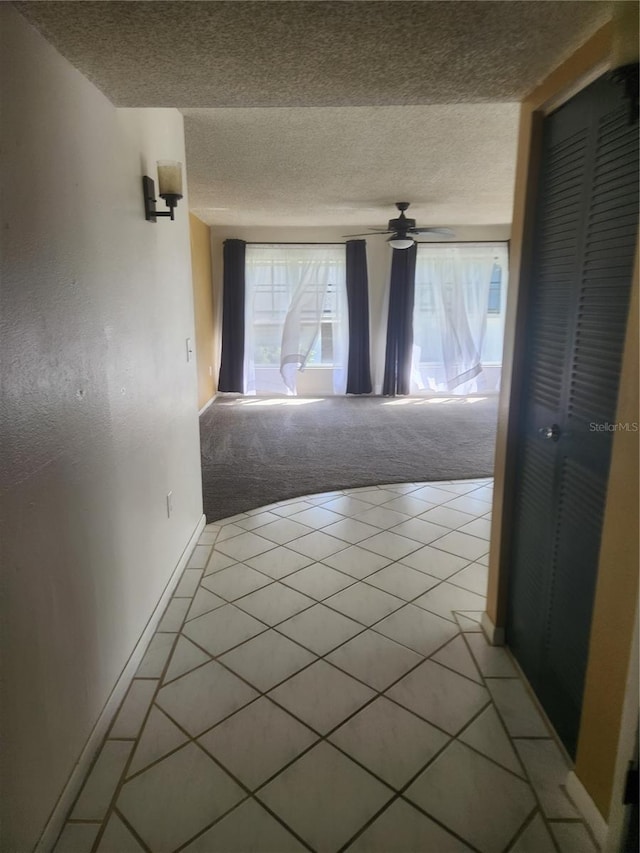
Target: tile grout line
399, 797
325, 654
474, 517
519, 834
136, 741
525, 772
379, 694
350, 492
320, 738
371, 626
352, 545
123, 779
324, 601
138, 838
523, 826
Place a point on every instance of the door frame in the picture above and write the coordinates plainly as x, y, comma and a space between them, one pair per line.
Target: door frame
597, 775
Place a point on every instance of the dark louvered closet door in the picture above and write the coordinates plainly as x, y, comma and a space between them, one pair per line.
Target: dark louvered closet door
584, 243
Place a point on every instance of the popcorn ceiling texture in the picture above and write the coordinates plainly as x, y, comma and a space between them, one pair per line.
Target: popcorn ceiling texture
246, 54
348, 165
326, 113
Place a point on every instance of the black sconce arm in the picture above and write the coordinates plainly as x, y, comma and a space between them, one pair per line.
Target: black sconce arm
149, 192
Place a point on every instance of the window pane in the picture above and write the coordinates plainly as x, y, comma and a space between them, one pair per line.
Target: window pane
458, 319
296, 300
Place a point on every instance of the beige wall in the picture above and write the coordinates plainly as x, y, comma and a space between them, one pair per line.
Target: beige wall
378, 264
98, 411
617, 591
206, 357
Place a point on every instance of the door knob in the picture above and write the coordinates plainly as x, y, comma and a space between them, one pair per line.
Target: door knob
550, 432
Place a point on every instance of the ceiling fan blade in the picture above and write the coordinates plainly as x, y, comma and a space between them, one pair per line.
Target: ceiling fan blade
368, 234
445, 232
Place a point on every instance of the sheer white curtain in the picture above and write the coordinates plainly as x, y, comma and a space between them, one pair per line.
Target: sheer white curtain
451, 315
296, 323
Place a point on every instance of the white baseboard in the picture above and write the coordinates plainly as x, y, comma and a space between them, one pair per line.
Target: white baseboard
495, 636
61, 809
207, 404
587, 808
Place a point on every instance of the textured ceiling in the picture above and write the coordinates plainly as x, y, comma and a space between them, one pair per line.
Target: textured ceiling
245, 54
348, 165
320, 113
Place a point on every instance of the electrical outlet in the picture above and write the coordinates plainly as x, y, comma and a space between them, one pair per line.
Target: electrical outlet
169, 504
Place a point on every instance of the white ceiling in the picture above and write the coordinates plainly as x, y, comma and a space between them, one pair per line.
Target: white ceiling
322, 113
348, 165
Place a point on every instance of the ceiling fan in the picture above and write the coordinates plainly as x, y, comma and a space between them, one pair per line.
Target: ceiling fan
404, 230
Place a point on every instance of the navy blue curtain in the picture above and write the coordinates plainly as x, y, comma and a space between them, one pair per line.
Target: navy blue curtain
233, 297
397, 362
359, 365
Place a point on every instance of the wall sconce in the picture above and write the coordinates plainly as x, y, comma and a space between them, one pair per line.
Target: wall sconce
169, 186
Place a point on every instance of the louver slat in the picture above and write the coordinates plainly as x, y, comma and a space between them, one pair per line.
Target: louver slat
555, 262
571, 590
535, 495
605, 285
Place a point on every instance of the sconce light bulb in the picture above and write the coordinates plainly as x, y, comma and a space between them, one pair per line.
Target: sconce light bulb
169, 178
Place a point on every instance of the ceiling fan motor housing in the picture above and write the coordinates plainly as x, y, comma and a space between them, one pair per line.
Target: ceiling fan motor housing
401, 224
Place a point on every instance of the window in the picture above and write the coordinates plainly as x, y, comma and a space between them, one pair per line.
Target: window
296, 317
458, 320
425, 300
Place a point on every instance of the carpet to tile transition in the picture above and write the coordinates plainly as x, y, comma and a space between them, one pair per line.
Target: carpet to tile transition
257, 450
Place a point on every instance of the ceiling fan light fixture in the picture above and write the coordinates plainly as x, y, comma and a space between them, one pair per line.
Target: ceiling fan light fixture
400, 242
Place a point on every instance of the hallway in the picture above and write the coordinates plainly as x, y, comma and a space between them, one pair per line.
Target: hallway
320, 681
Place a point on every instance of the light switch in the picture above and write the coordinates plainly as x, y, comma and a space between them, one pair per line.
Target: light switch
189, 350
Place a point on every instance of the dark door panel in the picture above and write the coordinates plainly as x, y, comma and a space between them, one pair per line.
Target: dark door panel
584, 245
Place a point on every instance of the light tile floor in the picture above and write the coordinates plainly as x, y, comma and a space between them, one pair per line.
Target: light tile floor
320, 682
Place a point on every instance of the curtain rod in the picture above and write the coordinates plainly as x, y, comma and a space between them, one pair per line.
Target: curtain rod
287, 243
332, 243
